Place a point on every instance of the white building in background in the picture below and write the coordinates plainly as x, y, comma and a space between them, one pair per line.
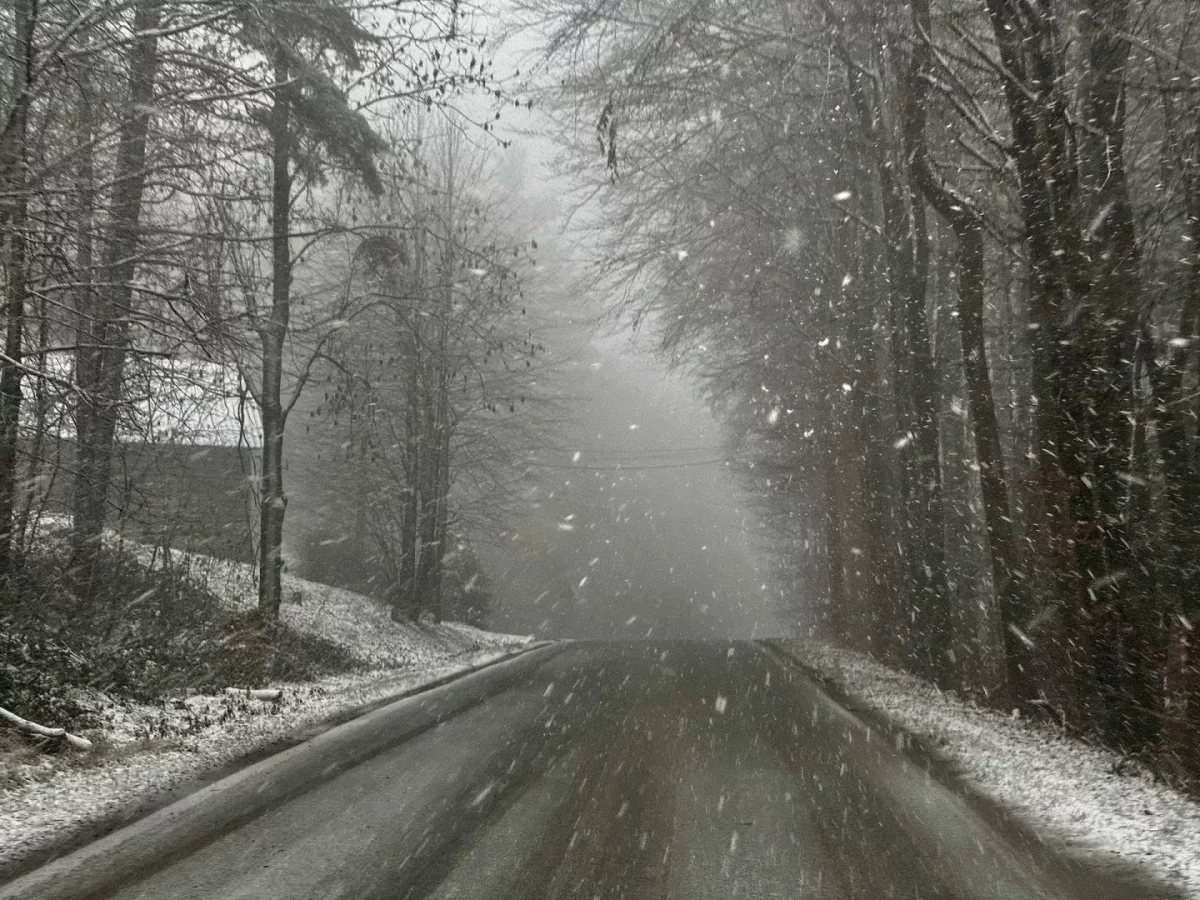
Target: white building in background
189, 402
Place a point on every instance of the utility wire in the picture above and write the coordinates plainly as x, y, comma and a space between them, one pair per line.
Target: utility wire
637, 468
658, 451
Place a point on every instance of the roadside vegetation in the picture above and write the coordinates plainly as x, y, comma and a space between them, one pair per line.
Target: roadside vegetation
173, 675
168, 628
146, 636
937, 265
241, 242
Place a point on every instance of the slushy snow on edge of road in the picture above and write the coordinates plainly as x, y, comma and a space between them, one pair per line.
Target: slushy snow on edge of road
1087, 796
46, 799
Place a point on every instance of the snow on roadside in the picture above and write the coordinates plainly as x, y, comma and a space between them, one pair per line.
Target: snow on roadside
47, 801
352, 621
1057, 784
144, 749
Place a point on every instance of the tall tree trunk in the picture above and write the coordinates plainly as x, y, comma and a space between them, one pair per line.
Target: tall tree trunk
406, 592
14, 177
1010, 581
427, 506
405, 607
86, 310
906, 231
1181, 480
831, 469
1043, 151
872, 444
1129, 642
35, 495
933, 621
441, 526
442, 433
879, 512
441, 399
1084, 267
906, 243
273, 334
100, 364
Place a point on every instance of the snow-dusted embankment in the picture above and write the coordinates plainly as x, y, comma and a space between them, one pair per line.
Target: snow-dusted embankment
1084, 795
145, 750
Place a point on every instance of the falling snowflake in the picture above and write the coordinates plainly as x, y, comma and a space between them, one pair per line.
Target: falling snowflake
793, 241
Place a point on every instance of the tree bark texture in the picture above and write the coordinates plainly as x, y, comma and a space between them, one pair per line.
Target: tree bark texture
14, 164
100, 363
273, 334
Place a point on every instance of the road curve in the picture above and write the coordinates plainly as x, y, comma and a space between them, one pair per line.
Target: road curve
638, 770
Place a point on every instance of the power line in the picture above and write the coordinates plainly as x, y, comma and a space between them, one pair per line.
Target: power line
639, 468
660, 451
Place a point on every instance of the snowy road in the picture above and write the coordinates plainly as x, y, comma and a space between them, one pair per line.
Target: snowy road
682, 770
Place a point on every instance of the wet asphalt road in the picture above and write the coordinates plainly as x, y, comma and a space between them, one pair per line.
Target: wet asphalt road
637, 770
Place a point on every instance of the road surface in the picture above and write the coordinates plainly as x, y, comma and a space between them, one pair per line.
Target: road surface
637, 770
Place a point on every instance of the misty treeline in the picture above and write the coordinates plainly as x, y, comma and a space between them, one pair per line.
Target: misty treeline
233, 206
938, 263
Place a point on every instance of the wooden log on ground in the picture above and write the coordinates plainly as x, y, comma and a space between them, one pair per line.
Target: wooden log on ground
54, 735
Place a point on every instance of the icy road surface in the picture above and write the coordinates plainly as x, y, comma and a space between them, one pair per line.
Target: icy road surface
670, 770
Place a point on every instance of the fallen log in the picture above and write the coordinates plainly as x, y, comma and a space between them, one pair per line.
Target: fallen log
44, 733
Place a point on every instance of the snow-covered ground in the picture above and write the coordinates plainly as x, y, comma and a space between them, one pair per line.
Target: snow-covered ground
350, 620
1086, 796
145, 749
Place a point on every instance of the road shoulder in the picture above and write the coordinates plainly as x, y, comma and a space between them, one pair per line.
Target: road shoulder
1036, 784
42, 821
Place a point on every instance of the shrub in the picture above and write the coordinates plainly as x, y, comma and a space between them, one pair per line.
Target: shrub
37, 677
147, 635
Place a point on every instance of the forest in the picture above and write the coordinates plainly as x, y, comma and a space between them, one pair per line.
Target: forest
937, 265
227, 225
